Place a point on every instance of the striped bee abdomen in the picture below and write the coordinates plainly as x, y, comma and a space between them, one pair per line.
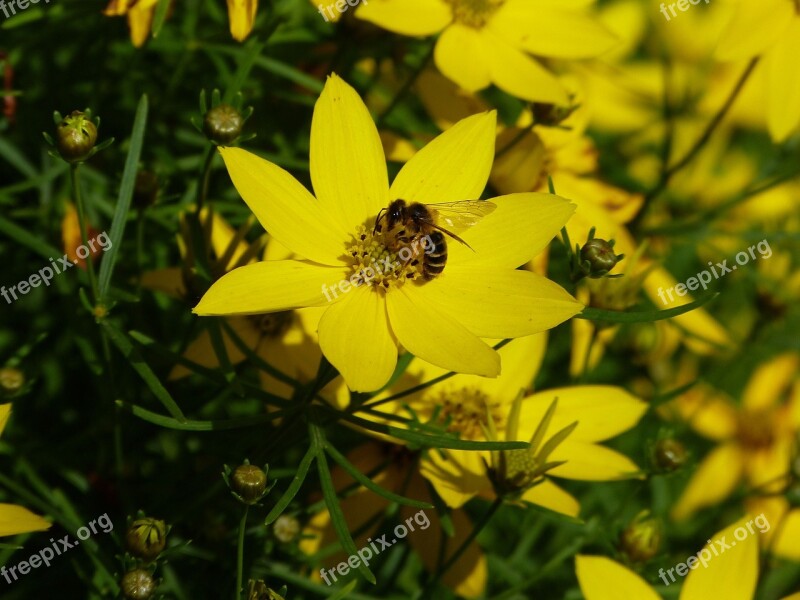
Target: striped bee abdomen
433, 263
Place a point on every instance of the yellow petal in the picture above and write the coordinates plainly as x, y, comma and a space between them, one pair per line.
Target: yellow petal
436, 337
454, 166
348, 168
733, 573
783, 91
168, 281
5, 412
16, 519
549, 495
519, 74
787, 542
140, 19
285, 208
771, 381
551, 30
408, 17
201, 350
457, 476
521, 226
712, 482
271, 286
755, 26
242, 15
591, 462
601, 578
708, 411
354, 335
222, 235
444, 101
501, 304
602, 411
460, 55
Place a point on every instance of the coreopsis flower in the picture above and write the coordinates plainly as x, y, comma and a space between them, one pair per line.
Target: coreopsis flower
395, 469
72, 239
371, 313
491, 41
474, 407
242, 15
731, 573
769, 29
755, 440
16, 519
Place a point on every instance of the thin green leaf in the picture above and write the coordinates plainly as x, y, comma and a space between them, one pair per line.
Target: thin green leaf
642, 316
125, 196
345, 591
223, 424
121, 341
27, 239
249, 59
368, 483
294, 487
160, 16
16, 159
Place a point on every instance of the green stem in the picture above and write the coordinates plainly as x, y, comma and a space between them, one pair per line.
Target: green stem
406, 86
205, 175
240, 554
76, 193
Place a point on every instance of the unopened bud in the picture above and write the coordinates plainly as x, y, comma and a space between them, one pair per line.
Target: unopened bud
600, 256
223, 124
249, 483
146, 538
138, 585
76, 135
641, 540
669, 455
11, 380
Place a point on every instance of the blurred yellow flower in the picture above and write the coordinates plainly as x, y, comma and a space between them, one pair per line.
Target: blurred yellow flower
481, 294
732, 574
16, 519
490, 41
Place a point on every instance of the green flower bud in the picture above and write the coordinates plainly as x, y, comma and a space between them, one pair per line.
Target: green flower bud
286, 528
223, 124
146, 538
145, 190
249, 483
669, 455
76, 136
138, 585
600, 256
642, 539
11, 380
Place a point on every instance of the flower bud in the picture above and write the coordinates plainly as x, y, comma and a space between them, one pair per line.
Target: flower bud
642, 538
600, 256
669, 455
11, 380
249, 483
146, 538
286, 528
75, 137
223, 124
138, 585
145, 190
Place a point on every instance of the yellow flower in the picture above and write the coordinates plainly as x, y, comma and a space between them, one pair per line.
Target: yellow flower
480, 294
490, 41
242, 15
140, 17
732, 574
464, 403
755, 439
363, 509
16, 519
769, 29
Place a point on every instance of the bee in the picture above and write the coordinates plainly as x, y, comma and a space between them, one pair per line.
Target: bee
416, 220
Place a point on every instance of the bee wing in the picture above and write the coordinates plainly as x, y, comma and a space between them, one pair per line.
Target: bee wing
459, 216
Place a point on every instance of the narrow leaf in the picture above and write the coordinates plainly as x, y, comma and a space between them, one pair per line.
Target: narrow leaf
294, 487
613, 316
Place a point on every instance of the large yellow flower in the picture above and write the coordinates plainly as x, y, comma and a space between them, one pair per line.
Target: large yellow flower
480, 294
16, 519
769, 29
489, 41
465, 403
756, 440
731, 574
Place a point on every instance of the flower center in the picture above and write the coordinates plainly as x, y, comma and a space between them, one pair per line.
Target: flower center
474, 13
465, 412
381, 261
272, 324
756, 430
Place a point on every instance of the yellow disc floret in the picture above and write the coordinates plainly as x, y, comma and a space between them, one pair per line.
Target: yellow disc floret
381, 261
474, 13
